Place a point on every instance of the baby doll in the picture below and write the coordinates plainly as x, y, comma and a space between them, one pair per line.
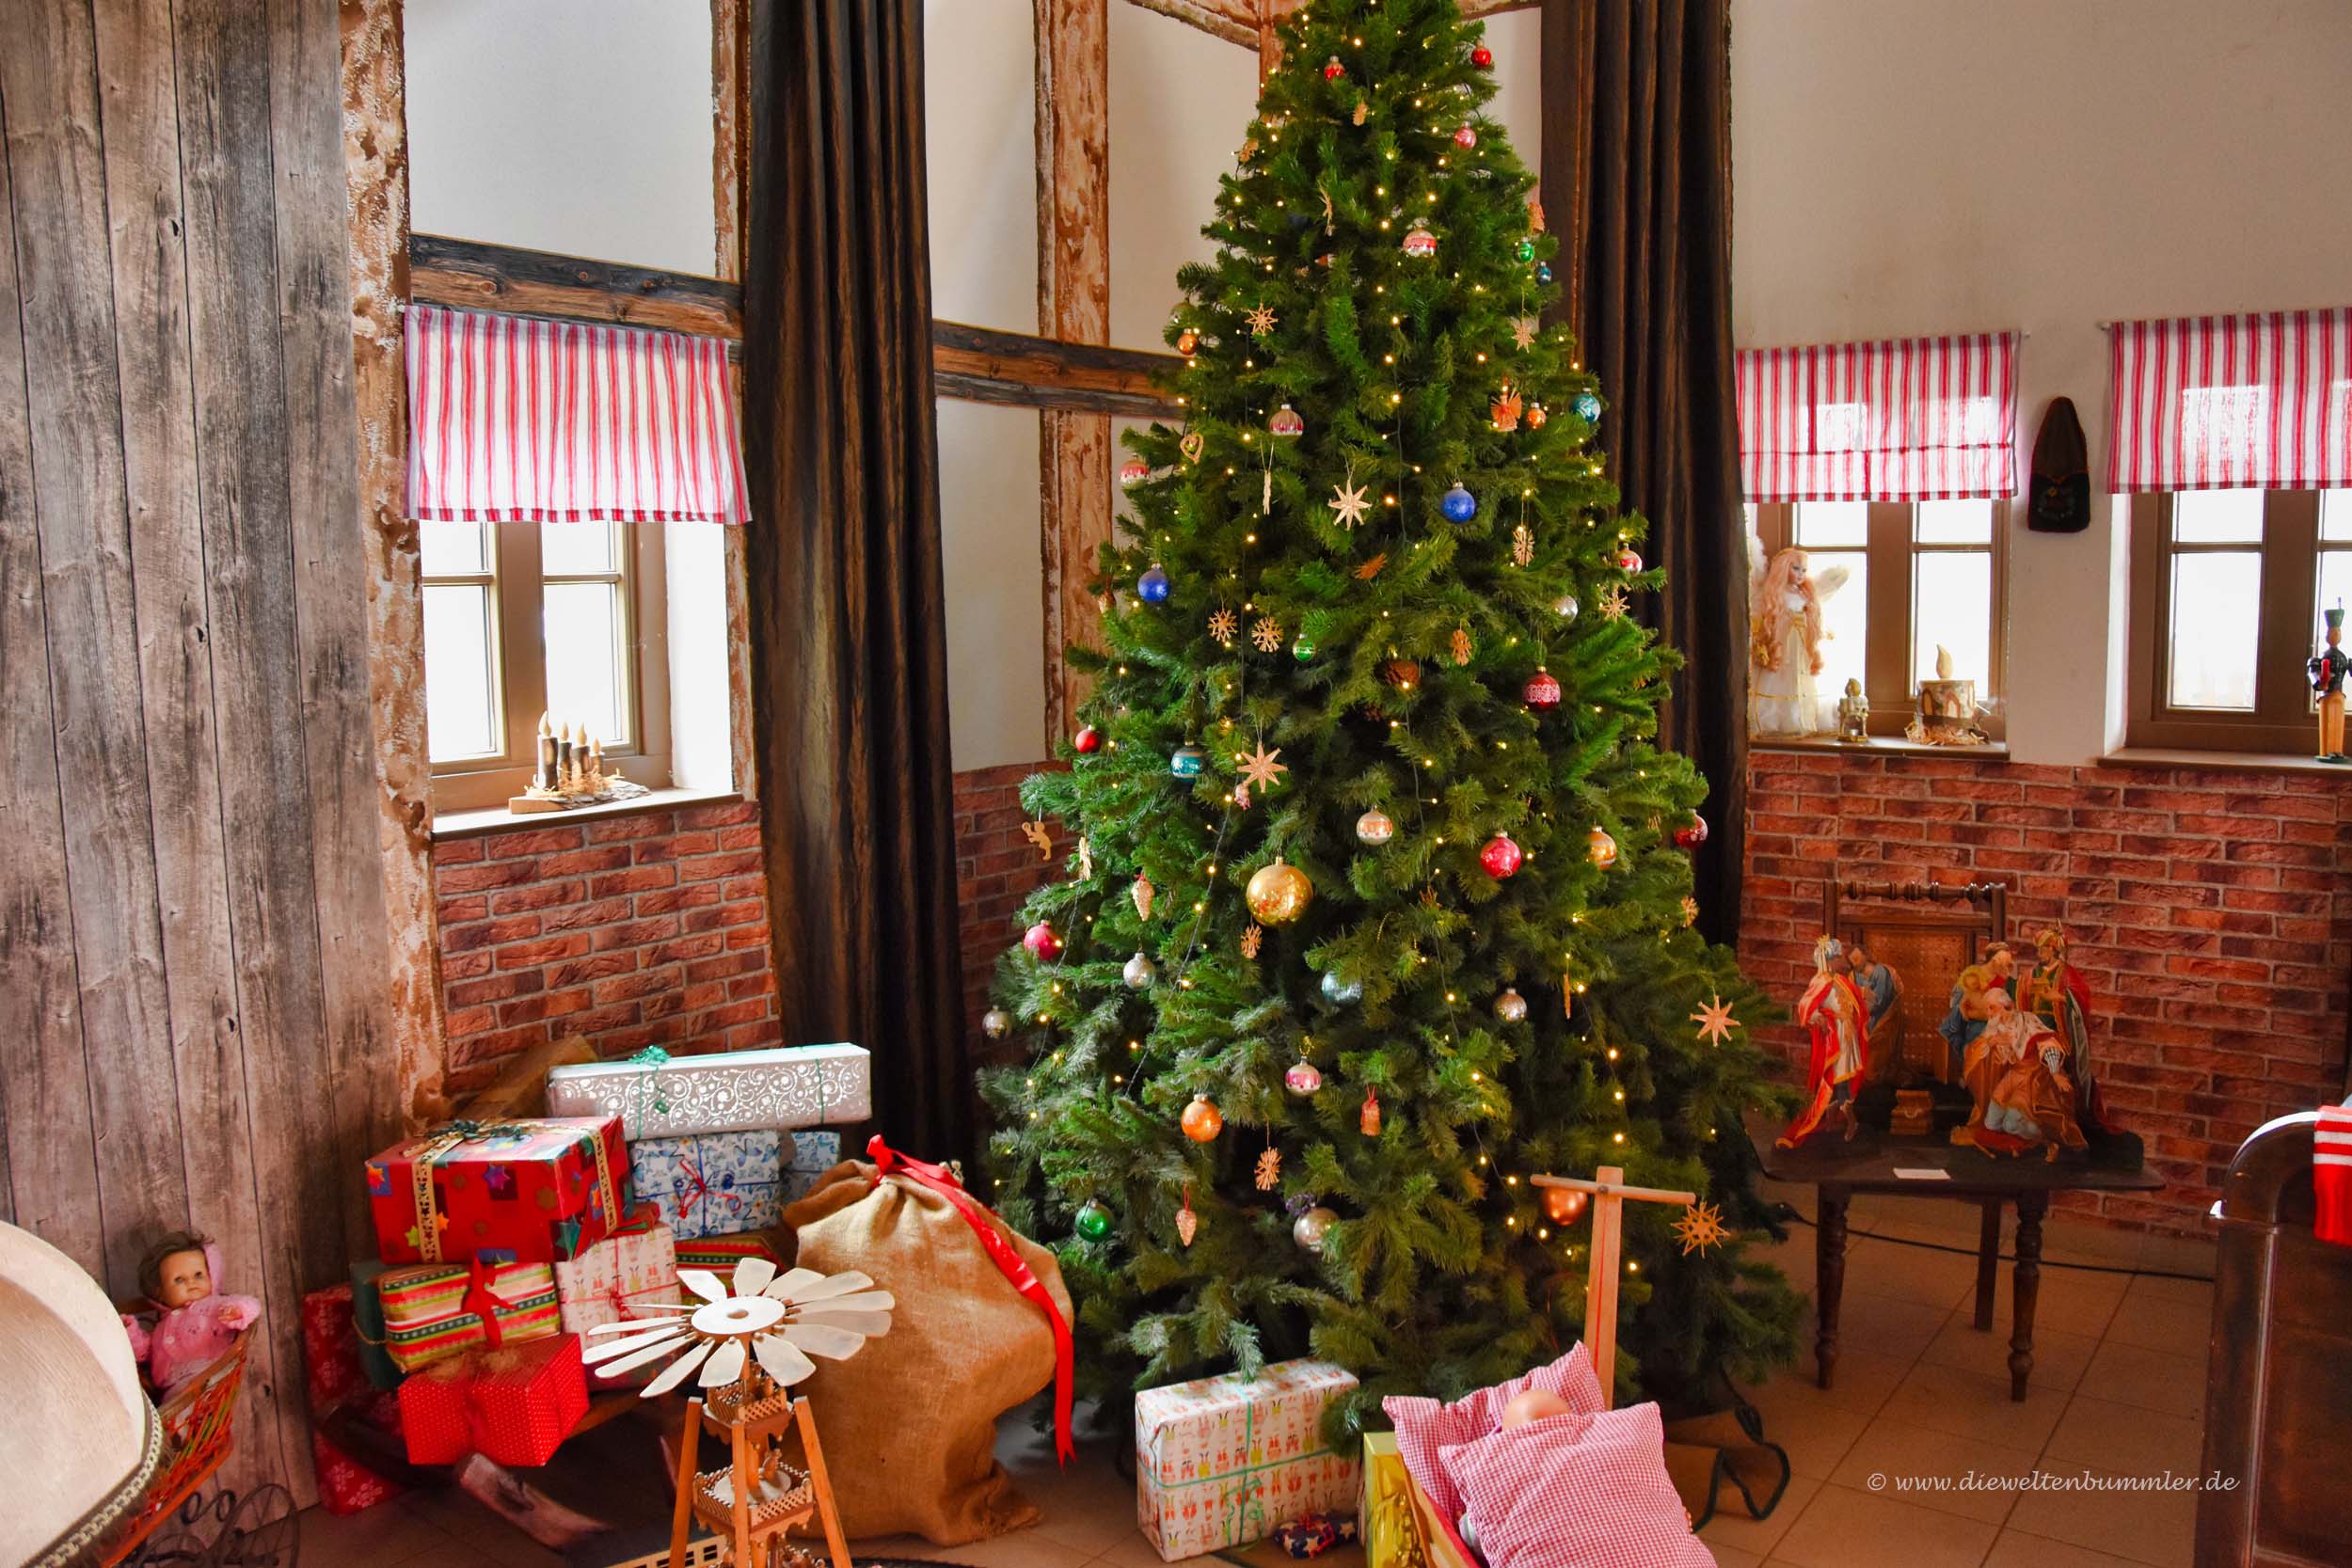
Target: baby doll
195, 1325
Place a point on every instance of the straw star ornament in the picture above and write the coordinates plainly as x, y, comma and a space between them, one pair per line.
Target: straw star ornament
773, 1321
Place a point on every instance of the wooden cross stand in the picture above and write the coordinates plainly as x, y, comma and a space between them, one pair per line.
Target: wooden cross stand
1608, 1193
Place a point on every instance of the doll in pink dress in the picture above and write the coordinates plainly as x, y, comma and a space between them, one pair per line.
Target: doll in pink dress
196, 1325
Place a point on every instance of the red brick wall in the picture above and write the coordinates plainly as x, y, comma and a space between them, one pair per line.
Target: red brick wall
2209, 910
995, 869
629, 930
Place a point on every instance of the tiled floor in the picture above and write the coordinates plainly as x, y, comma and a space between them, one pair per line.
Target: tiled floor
2118, 1389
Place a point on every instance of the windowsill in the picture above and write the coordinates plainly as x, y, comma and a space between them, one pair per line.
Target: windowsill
2222, 761
1880, 745
497, 819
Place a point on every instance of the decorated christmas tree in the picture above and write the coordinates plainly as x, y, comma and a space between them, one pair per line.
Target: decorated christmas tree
1378, 891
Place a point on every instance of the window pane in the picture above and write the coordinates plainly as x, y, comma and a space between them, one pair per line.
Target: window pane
453, 549
460, 673
1952, 609
1845, 620
1954, 523
585, 682
2217, 518
1829, 523
2335, 515
578, 549
2217, 599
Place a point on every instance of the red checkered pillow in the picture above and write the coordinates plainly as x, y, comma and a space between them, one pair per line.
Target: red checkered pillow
1576, 1492
1424, 1426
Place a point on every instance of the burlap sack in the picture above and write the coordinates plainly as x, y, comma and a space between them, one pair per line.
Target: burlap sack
909, 1423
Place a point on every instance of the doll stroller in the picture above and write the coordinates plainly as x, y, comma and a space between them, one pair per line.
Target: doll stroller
255, 1530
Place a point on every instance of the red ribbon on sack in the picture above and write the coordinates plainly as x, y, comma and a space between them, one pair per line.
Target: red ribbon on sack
483, 1303
1009, 1262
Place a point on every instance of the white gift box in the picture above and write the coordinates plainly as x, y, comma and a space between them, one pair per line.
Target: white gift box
731, 1091
1226, 1460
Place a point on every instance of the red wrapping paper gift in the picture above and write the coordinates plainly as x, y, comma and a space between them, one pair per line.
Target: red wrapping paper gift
515, 1405
508, 1191
330, 1348
346, 1485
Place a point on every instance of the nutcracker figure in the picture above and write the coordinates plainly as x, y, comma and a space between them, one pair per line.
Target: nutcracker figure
2328, 670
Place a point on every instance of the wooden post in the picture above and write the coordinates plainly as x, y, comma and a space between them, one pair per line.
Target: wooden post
1073, 305
1609, 1196
689, 1438
821, 1483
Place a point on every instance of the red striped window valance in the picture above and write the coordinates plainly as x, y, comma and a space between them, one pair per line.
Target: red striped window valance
2216, 403
1915, 418
515, 419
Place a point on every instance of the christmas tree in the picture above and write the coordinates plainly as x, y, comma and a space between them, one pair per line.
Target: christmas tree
1379, 890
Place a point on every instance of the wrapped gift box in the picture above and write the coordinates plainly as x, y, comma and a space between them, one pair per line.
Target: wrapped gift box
515, 1405
1225, 1461
367, 1309
511, 1191
1396, 1520
617, 1280
812, 1154
711, 1183
732, 1091
437, 1310
720, 1254
346, 1485
331, 1368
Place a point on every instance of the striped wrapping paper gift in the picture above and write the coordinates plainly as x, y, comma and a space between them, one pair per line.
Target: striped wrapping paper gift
427, 1314
720, 1254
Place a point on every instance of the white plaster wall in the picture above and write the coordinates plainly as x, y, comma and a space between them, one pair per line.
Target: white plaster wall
979, 87
553, 126
988, 518
1518, 39
1906, 166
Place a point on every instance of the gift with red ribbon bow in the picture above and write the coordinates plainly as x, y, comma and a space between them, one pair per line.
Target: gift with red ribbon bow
514, 1404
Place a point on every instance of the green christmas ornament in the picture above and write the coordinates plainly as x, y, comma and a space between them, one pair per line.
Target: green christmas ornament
1303, 648
1094, 1221
1527, 249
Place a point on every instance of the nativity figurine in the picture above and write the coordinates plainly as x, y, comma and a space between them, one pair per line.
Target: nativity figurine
2015, 1072
1882, 991
1835, 1017
1785, 641
194, 1324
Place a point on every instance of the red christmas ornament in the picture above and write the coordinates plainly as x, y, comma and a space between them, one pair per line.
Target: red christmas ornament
1500, 857
1042, 941
1692, 833
1134, 472
1562, 1205
1089, 739
1542, 691
1332, 69
1482, 57
1629, 560
1465, 137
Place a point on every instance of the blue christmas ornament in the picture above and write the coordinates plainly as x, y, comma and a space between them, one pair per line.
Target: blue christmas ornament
1458, 504
1543, 271
1188, 761
1152, 586
1338, 992
1588, 407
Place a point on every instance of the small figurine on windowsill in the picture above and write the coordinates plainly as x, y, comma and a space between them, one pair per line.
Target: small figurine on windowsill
1785, 638
2327, 669
194, 1325
1853, 714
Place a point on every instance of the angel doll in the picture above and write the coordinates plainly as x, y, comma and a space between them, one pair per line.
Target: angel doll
195, 1325
1785, 638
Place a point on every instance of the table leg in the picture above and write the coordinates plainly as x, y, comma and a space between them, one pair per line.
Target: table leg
1828, 1281
2030, 1208
1988, 1263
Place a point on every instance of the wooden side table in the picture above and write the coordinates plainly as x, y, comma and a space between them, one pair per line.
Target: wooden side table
1837, 1170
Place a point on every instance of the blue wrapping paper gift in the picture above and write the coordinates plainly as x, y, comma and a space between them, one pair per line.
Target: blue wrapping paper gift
813, 1154
711, 1183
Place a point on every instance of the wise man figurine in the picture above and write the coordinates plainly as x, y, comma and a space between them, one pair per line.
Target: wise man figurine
1834, 1015
2327, 669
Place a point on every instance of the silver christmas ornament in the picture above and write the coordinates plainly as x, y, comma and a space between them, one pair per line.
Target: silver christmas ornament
1374, 828
1566, 607
1511, 1006
1140, 972
996, 1023
1311, 1227
1338, 992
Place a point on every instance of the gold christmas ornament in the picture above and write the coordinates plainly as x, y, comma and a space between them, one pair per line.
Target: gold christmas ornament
1203, 1121
1141, 894
1188, 1224
1601, 848
1280, 894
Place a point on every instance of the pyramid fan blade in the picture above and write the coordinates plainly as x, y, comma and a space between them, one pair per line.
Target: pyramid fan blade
752, 1274
611, 1348
725, 1366
836, 1285
674, 1373
873, 1325
837, 1344
865, 1300
631, 1325
788, 1284
783, 1360
702, 1283
651, 1354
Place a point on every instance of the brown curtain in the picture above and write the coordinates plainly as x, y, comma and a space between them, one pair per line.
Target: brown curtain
1637, 182
847, 620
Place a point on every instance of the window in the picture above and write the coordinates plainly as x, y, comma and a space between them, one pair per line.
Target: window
2227, 591
523, 620
1919, 577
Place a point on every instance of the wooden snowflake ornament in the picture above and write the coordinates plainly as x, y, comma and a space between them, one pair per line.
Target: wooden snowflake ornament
1260, 319
1349, 502
1251, 940
1700, 1227
1267, 635
1715, 1022
1269, 1169
1224, 625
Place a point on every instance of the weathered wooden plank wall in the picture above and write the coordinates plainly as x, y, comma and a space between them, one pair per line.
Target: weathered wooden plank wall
193, 961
